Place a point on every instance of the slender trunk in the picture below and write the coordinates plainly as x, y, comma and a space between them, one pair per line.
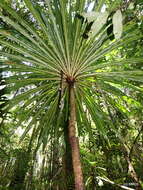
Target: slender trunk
67, 160
74, 143
133, 173
131, 169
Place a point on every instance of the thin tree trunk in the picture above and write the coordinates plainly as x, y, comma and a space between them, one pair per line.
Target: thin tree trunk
133, 173
78, 176
131, 169
67, 160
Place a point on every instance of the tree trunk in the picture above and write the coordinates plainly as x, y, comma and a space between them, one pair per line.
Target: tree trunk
67, 160
131, 169
74, 143
133, 173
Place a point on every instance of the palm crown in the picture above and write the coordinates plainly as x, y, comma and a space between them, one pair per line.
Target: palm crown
47, 55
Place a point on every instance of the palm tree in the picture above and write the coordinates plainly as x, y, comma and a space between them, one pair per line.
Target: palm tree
57, 63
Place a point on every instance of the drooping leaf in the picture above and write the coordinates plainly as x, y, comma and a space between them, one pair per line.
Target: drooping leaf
91, 16
117, 24
99, 23
98, 19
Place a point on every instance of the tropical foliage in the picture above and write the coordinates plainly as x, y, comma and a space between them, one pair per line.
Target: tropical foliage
71, 68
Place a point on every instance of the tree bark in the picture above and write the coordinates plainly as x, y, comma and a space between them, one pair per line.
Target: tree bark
133, 173
74, 143
131, 169
67, 160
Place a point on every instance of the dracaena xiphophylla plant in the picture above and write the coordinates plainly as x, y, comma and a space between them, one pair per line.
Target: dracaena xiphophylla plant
60, 75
